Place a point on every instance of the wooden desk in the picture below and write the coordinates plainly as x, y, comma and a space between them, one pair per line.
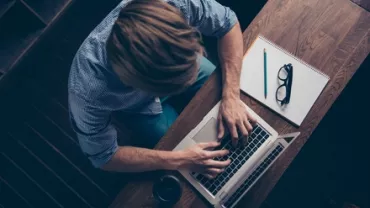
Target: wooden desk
331, 35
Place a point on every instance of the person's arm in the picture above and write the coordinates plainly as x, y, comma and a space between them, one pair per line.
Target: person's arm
135, 159
232, 110
195, 158
214, 19
98, 140
230, 49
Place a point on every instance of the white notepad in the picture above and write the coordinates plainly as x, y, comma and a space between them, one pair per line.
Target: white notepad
308, 82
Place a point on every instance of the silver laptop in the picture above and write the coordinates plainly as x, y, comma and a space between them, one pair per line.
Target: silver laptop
247, 165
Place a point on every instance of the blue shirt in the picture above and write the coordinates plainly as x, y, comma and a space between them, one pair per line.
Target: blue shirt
95, 91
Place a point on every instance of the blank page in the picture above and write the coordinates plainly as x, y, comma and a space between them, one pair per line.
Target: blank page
308, 82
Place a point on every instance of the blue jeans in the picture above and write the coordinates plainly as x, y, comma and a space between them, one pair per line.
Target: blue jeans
149, 129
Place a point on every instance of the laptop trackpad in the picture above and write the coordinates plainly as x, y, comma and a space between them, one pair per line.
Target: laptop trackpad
208, 132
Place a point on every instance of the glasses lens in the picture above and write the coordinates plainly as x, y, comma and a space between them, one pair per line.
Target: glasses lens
283, 74
281, 93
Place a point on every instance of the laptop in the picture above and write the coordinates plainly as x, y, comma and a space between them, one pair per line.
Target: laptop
248, 163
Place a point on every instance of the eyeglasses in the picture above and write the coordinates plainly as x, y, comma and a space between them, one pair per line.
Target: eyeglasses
285, 75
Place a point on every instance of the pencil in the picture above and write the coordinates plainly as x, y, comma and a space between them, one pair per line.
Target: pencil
265, 70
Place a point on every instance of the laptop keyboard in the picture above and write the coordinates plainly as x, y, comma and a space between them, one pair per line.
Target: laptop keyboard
238, 156
253, 177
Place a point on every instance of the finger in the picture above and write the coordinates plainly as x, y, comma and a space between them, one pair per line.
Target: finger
234, 133
217, 164
214, 171
235, 140
206, 145
248, 125
243, 129
221, 128
218, 153
208, 176
245, 140
251, 118
243, 133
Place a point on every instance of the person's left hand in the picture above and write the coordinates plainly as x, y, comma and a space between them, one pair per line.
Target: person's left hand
234, 116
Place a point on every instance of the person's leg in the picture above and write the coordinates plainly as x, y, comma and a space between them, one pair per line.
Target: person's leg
149, 129
205, 70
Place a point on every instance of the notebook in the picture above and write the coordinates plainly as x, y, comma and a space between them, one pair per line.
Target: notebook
308, 82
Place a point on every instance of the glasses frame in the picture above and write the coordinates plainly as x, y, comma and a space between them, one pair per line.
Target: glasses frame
287, 83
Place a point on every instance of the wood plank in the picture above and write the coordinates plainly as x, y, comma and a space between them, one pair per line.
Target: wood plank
5, 6
62, 156
95, 178
25, 185
45, 102
58, 162
108, 182
50, 82
9, 197
47, 10
332, 35
15, 41
48, 179
52, 114
55, 114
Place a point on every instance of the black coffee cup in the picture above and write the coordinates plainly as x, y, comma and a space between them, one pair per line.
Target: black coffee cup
167, 190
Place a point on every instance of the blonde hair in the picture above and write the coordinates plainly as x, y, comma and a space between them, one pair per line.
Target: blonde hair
153, 48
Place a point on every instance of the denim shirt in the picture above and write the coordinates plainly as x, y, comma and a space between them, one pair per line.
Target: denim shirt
95, 91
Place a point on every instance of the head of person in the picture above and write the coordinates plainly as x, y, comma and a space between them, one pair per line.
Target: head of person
153, 48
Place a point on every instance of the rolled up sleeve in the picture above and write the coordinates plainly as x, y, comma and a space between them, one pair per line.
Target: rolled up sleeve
97, 136
210, 17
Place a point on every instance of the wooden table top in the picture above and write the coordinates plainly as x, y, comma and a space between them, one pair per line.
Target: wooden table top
331, 35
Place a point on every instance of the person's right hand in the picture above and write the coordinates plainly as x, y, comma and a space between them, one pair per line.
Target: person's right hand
200, 160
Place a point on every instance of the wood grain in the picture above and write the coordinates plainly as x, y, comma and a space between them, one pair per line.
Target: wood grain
331, 35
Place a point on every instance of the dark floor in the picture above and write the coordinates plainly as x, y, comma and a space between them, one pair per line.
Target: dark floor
42, 166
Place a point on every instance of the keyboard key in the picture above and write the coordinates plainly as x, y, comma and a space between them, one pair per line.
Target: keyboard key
257, 130
259, 136
239, 166
232, 165
223, 158
232, 155
238, 151
240, 158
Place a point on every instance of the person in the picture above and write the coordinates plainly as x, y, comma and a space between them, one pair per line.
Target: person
143, 54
